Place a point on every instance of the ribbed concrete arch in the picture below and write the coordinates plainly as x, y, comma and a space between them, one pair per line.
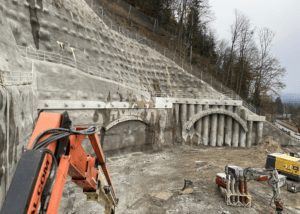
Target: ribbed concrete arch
198, 116
124, 119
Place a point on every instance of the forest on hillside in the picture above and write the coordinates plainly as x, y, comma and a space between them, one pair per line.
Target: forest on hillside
287, 108
244, 63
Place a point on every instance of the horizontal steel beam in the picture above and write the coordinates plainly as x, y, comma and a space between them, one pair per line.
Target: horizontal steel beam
199, 101
84, 104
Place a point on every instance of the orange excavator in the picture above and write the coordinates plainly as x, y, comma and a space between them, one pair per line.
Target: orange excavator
53, 152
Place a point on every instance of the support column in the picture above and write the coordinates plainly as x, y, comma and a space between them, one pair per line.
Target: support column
198, 125
176, 108
242, 142
259, 132
236, 129
249, 133
205, 127
213, 128
191, 111
242, 138
228, 132
183, 117
183, 113
221, 122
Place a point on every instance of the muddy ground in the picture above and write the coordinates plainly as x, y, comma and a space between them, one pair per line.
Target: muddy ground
141, 178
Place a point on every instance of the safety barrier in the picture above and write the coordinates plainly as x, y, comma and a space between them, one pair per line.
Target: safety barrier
16, 78
32, 53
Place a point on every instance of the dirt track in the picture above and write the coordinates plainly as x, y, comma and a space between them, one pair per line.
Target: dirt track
137, 176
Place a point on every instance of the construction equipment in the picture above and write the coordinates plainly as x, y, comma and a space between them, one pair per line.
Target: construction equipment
291, 187
188, 187
236, 192
53, 151
297, 126
187, 184
285, 164
295, 154
230, 184
273, 182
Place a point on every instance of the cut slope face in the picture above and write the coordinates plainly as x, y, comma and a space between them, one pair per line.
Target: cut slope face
71, 29
16, 108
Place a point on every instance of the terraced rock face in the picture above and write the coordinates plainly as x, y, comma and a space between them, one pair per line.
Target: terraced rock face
71, 29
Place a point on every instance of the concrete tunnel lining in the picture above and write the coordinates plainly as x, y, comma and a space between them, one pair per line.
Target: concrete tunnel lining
199, 115
124, 119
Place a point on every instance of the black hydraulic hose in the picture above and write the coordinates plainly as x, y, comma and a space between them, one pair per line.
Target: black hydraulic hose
55, 172
59, 133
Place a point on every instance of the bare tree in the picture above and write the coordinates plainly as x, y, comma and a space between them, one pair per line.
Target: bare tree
269, 73
251, 58
236, 30
246, 38
221, 50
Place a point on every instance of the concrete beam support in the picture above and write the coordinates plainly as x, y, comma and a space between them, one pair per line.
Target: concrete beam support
249, 133
191, 111
198, 125
183, 109
221, 122
236, 130
228, 125
176, 108
242, 142
256, 118
183, 115
259, 132
213, 128
205, 127
242, 138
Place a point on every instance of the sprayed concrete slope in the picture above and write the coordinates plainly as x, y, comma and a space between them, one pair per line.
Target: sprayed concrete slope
70, 28
126, 111
17, 109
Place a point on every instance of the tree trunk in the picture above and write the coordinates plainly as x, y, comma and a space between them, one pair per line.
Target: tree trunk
144, 4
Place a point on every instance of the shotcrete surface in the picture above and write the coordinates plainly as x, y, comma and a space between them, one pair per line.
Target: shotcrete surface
140, 178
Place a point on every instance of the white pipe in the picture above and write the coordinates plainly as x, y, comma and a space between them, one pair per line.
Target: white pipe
7, 138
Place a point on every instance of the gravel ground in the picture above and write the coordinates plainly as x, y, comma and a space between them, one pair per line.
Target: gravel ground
150, 182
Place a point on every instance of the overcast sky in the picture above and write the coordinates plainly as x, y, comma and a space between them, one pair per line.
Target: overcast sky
282, 17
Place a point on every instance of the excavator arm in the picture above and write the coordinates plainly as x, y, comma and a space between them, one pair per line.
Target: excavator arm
273, 181
53, 152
